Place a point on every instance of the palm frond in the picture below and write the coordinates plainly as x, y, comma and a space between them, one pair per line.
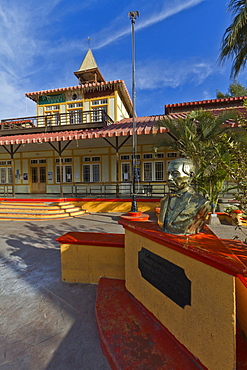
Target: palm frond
234, 43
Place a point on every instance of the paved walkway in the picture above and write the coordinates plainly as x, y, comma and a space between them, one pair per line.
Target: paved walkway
45, 323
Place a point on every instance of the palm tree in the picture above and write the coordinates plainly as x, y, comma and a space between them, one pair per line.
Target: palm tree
201, 137
234, 43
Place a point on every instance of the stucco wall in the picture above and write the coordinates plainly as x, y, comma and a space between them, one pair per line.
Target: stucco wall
207, 327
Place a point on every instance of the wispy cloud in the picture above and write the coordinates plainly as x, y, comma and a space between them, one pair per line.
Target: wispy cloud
159, 74
149, 16
169, 9
38, 44
25, 37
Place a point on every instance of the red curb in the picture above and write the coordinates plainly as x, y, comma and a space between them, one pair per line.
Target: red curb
132, 338
135, 216
92, 238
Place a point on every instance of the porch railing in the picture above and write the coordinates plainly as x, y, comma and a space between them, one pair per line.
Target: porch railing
5, 190
75, 117
121, 189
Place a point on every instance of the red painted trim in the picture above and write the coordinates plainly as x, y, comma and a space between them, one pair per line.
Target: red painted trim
204, 247
31, 200
153, 200
96, 239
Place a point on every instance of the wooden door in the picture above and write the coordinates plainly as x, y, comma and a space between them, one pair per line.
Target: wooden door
38, 178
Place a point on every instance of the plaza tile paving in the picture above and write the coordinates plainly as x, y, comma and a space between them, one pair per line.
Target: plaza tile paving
45, 323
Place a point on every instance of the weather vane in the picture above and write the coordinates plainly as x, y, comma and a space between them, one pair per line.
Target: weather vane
133, 15
89, 42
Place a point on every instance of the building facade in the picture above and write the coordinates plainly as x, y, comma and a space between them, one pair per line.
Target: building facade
80, 141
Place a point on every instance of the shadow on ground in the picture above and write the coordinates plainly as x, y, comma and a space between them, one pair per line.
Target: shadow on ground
46, 324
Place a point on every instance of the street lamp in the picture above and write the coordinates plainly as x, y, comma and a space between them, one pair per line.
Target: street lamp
133, 15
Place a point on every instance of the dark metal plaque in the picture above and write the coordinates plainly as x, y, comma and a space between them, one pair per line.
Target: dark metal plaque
165, 276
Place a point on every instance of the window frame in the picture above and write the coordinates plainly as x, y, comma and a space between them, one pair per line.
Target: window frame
153, 171
91, 166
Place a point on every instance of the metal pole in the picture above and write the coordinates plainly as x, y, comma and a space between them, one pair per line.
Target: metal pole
133, 16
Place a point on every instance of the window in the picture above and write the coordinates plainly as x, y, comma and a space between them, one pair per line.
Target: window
52, 107
75, 113
172, 155
98, 114
66, 173
99, 102
95, 159
159, 155
89, 159
159, 171
124, 157
52, 115
148, 156
37, 161
153, 171
75, 117
3, 163
9, 178
90, 172
75, 105
64, 160
5, 175
125, 167
148, 171
99, 108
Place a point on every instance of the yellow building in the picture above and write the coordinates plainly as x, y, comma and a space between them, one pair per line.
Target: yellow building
79, 142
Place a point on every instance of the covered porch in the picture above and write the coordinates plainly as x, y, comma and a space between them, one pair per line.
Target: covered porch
57, 163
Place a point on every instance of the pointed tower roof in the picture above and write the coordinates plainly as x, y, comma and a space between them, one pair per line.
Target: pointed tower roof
89, 71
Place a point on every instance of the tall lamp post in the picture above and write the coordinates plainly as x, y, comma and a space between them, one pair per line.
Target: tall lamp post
133, 15
133, 214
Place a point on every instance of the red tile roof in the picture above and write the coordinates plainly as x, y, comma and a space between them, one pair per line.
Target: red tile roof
144, 126
85, 87
209, 101
151, 119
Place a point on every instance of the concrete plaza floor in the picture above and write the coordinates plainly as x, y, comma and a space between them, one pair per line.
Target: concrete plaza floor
45, 323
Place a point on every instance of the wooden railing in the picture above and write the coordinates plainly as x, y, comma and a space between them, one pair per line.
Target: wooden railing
96, 117
119, 189
5, 190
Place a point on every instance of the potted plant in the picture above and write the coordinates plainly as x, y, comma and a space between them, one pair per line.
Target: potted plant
236, 215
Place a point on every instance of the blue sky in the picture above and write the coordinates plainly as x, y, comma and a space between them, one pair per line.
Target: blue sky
177, 47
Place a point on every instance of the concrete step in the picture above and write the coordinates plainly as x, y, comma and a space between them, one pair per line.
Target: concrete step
32, 219
29, 206
61, 204
77, 213
31, 210
27, 203
32, 215
21, 210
